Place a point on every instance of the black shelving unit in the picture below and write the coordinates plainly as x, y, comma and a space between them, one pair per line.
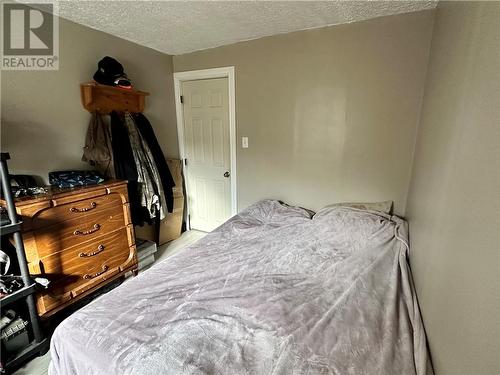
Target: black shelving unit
39, 343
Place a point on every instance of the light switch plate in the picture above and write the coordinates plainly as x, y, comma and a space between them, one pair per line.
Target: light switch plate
244, 142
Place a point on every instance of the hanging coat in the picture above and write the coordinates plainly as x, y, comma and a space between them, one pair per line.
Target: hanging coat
150, 188
147, 133
98, 150
125, 168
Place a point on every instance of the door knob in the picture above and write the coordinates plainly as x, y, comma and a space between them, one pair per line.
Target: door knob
227, 174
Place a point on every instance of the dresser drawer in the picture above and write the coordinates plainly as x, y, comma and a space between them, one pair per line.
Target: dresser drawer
78, 210
79, 238
59, 237
80, 268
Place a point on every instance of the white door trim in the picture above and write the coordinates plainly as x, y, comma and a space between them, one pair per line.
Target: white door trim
225, 72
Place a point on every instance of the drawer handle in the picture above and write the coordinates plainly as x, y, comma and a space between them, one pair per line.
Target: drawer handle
92, 206
85, 232
100, 248
87, 276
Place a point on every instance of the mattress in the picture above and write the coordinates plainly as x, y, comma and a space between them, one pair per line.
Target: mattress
274, 290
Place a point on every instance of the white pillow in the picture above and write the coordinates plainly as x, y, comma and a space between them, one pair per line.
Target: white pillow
385, 207
271, 211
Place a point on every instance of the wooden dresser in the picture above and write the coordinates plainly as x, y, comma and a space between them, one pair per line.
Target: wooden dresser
80, 239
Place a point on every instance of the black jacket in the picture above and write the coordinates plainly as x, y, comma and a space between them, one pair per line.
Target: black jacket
148, 135
125, 168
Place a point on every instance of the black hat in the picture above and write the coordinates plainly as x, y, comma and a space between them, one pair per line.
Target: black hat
110, 72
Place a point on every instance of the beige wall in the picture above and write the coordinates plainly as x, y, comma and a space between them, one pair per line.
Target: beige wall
330, 113
454, 200
43, 121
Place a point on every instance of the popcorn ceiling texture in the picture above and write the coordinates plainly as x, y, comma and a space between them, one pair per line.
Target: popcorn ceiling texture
181, 27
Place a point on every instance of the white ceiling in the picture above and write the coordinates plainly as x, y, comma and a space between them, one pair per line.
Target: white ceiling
177, 27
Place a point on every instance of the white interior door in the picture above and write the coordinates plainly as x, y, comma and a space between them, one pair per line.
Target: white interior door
206, 145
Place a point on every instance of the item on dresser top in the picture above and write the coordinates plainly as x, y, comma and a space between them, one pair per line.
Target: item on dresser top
147, 133
145, 254
79, 239
98, 149
23, 180
25, 185
68, 179
110, 72
27, 192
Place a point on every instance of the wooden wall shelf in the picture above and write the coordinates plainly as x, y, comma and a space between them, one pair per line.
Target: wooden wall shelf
105, 99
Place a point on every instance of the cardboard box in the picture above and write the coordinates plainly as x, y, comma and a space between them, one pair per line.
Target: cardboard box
171, 226
175, 166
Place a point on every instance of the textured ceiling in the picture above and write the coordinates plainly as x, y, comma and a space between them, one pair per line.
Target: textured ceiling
177, 27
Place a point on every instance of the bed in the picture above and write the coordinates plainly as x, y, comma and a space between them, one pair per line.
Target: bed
274, 290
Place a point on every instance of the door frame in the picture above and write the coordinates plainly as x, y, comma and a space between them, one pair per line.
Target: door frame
193, 75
